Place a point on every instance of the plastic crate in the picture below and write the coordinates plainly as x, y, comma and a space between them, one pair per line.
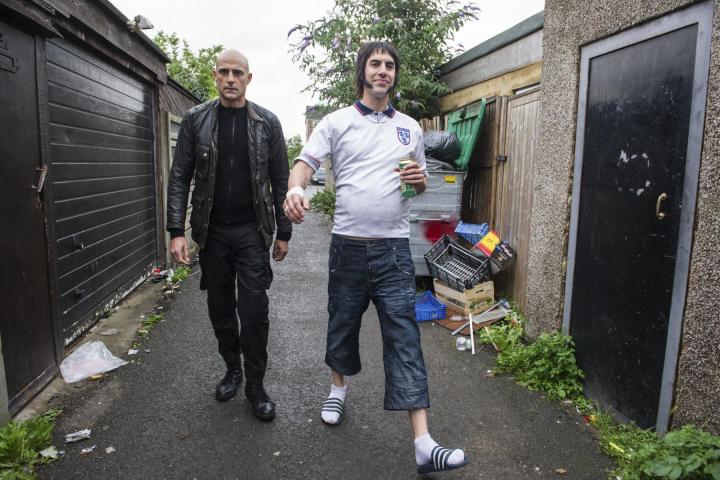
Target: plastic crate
472, 232
428, 308
458, 268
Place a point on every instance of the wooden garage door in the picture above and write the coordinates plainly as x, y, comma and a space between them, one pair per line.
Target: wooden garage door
102, 173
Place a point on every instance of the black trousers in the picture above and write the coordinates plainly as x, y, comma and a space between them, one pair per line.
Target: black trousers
236, 255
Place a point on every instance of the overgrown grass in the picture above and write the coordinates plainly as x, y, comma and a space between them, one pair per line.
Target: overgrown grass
548, 365
324, 201
21, 444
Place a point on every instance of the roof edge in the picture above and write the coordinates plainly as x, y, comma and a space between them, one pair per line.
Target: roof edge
147, 40
523, 29
174, 83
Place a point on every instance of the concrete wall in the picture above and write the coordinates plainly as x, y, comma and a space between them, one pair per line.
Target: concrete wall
568, 26
698, 389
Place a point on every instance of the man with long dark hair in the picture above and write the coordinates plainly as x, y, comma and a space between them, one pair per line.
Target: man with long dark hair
370, 253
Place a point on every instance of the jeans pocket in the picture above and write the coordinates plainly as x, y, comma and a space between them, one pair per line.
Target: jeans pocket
335, 258
404, 261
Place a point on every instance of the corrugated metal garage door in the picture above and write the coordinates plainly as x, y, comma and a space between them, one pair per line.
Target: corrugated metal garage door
102, 173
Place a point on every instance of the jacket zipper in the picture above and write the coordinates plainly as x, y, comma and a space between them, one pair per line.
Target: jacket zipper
252, 168
232, 162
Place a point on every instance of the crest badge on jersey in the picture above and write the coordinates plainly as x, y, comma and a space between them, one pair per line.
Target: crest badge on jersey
403, 135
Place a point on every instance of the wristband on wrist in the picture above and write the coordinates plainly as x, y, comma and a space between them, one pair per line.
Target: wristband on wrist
295, 191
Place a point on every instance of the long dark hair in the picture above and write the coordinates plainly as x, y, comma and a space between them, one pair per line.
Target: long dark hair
362, 57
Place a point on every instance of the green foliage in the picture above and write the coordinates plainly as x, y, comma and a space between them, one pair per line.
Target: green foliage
22, 474
627, 445
504, 335
149, 323
21, 443
180, 274
686, 453
325, 49
516, 316
194, 72
294, 146
152, 320
547, 365
324, 202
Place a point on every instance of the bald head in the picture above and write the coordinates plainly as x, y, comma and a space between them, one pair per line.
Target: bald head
233, 56
232, 76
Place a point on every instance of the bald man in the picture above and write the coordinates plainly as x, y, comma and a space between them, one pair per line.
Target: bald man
235, 151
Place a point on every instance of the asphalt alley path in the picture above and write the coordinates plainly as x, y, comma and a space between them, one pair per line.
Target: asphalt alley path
160, 415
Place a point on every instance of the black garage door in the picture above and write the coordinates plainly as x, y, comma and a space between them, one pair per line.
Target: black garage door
102, 172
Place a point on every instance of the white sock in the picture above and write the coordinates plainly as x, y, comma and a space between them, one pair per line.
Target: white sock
339, 393
423, 447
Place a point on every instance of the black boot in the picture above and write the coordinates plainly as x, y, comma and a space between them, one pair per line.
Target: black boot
263, 407
227, 388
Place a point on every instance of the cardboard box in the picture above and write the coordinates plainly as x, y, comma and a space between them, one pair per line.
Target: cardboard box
472, 300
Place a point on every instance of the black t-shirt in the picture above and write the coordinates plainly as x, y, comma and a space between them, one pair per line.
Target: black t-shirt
233, 200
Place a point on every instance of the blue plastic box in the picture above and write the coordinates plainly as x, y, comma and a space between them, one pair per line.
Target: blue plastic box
427, 307
472, 232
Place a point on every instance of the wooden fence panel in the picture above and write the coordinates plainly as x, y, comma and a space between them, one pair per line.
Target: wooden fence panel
514, 194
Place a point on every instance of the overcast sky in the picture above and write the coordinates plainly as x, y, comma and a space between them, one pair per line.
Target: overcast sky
259, 29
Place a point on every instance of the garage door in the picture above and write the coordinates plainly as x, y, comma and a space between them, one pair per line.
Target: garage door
102, 173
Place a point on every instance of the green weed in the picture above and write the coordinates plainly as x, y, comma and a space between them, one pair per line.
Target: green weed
180, 274
21, 444
504, 335
149, 323
548, 365
687, 453
324, 201
152, 320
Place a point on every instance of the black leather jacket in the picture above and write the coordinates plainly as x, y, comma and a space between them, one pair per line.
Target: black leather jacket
196, 154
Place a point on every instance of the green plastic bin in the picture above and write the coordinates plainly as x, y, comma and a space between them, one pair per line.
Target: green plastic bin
465, 123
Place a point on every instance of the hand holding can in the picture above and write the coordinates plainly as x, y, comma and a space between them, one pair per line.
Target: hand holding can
406, 190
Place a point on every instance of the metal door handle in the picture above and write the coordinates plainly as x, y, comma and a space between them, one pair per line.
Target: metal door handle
660, 215
40, 174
